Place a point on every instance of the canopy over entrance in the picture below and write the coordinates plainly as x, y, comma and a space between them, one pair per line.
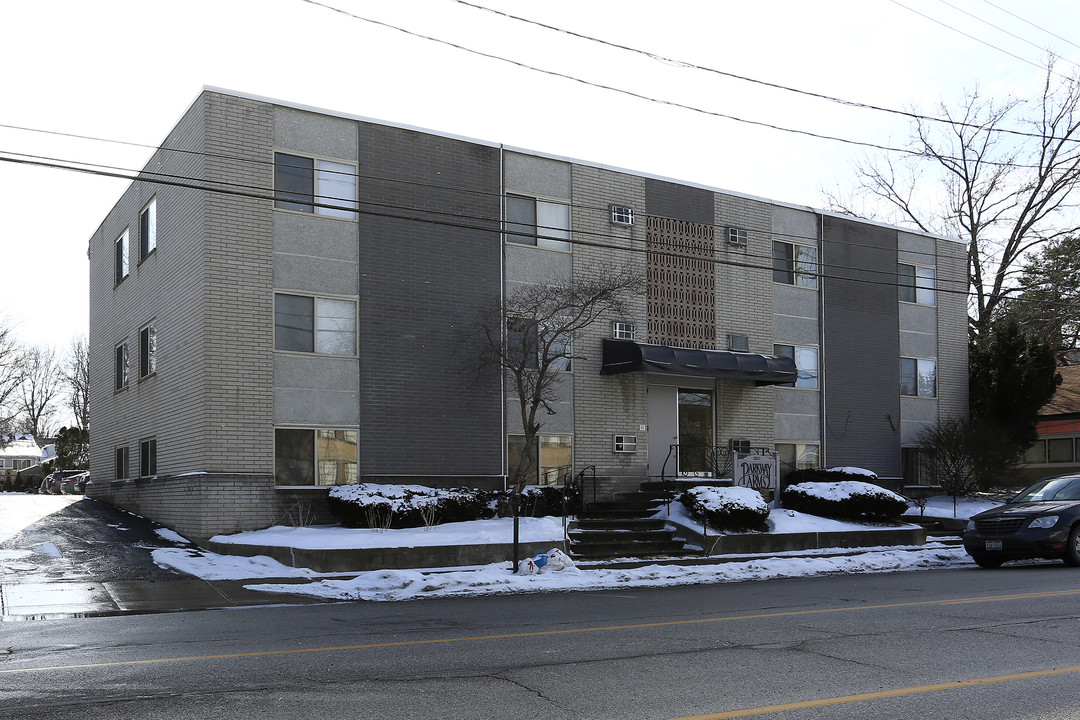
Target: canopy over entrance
623, 356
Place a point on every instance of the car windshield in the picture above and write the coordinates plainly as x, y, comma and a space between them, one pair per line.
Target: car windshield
1051, 489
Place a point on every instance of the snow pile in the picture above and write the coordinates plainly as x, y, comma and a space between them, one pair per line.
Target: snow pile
843, 490
854, 471
724, 498
384, 506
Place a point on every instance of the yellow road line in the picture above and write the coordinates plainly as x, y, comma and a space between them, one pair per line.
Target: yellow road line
545, 633
882, 694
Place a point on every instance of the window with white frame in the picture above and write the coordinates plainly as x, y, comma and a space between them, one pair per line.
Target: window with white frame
806, 364
148, 457
303, 323
621, 215
120, 249
623, 331
120, 463
795, 264
624, 443
918, 377
916, 284
315, 456
147, 351
531, 221
310, 185
148, 229
120, 366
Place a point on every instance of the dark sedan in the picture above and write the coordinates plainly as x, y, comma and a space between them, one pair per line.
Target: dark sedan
1043, 521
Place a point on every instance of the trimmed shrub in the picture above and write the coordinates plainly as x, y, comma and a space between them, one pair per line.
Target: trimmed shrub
845, 500
545, 500
368, 505
734, 509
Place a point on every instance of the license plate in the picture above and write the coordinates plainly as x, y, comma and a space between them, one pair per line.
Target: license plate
993, 544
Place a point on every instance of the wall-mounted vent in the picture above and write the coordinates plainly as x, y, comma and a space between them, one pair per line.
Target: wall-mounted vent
738, 343
623, 331
737, 236
624, 443
740, 446
621, 215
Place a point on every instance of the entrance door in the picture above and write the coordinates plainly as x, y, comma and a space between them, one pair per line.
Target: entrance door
683, 417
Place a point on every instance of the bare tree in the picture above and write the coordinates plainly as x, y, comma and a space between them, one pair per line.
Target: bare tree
41, 388
530, 338
1000, 175
11, 375
77, 379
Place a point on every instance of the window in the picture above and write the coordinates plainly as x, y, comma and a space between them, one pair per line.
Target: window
322, 187
561, 353
315, 457
147, 351
555, 455
624, 443
148, 229
120, 465
623, 331
1059, 450
121, 367
314, 324
121, 248
622, 215
916, 284
148, 457
918, 377
797, 456
737, 236
806, 364
537, 222
795, 264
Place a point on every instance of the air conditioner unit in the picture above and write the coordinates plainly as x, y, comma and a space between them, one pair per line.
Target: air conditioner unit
738, 343
737, 236
740, 446
621, 215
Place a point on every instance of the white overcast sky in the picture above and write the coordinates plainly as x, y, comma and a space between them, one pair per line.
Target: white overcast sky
126, 70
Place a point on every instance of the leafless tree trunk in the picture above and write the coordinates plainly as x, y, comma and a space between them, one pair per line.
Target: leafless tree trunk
41, 387
11, 375
77, 378
530, 338
998, 175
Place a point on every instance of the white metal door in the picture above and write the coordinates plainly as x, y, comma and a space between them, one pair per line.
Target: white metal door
663, 428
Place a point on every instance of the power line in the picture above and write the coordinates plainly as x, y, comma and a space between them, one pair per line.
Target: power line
486, 225
1000, 29
1037, 27
776, 86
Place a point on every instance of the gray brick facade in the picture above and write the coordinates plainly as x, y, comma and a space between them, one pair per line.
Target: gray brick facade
422, 261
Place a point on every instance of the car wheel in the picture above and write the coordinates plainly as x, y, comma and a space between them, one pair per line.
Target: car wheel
987, 561
1072, 548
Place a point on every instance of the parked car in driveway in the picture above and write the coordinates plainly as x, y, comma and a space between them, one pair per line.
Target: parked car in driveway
51, 484
1043, 521
75, 484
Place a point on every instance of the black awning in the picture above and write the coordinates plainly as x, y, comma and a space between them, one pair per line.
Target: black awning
623, 356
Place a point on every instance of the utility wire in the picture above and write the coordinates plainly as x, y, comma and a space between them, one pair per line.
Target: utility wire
491, 225
1001, 29
776, 86
1037, 27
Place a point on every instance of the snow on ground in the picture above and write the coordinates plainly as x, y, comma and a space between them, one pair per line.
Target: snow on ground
21, 510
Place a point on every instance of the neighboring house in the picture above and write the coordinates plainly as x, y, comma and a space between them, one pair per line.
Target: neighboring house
1058, 448
280, 303
18, 452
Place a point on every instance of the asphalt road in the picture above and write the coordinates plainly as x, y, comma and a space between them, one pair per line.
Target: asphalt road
952, 644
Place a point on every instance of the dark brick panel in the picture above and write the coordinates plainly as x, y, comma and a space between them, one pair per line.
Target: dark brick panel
678, 202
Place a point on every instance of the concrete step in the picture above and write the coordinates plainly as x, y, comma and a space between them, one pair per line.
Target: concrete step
615, 524
636, 548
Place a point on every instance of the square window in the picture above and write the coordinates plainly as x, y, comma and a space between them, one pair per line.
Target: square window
147, 351
309, 324
623, 331
148, 229
797, 456
554, 464
916, 284
795, 264
738, 236
322, 187
624, 443
918, 377
121, 257
806, 364
622, 215
1059, 450
148, 457
541, 223
315, 457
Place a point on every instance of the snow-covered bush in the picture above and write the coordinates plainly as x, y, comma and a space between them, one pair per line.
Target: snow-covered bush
401, 506
545, 500
727, 508
844, 500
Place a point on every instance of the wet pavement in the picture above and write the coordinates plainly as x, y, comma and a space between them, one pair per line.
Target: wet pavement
89, 558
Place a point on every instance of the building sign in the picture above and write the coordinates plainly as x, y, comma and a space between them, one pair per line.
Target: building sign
760, 472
